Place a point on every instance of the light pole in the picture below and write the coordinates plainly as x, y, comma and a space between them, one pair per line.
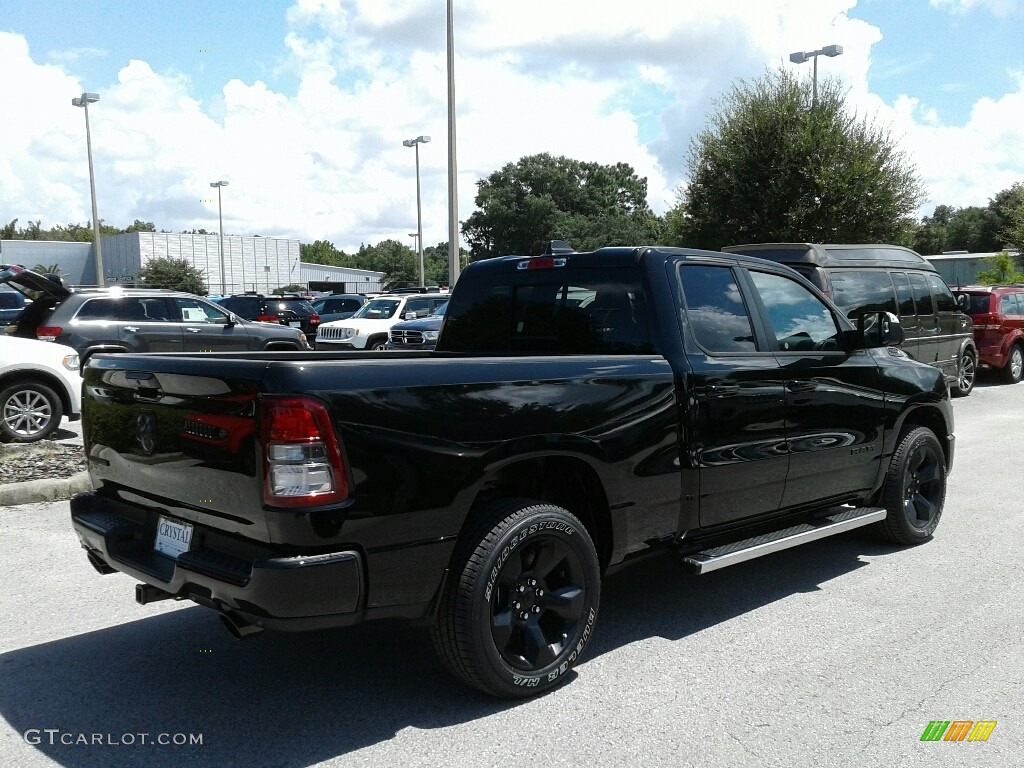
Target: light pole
419, 213
453, 182
801, 56
220, 217
84, 101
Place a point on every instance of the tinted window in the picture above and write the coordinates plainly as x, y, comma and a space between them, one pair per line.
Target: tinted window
127, 308
974, 303
11, 300
246, 307
715, 311
922, 296
858, 292
904, 295
578, 311
417, 307
799, 320
298, 306
885, 254
944, 301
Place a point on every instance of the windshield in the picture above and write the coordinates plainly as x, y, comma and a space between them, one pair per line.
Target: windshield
379, 309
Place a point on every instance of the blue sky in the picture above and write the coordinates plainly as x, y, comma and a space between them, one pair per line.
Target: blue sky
303, 105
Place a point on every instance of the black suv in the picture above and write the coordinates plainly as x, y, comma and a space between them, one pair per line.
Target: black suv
293, 311
11, 305
863, 279
136, 320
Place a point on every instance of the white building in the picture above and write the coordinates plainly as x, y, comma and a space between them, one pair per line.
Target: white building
250, 263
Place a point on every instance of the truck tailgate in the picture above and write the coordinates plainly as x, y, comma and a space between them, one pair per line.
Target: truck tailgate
158, 435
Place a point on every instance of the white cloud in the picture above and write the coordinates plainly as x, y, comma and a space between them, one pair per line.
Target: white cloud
591, 79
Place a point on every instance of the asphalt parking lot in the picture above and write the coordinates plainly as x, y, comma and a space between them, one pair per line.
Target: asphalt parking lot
838, 653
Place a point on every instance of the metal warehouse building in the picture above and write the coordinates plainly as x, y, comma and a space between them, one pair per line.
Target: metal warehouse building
250, 263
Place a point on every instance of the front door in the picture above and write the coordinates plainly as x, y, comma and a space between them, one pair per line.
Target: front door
835, 404
734, 422
205, 327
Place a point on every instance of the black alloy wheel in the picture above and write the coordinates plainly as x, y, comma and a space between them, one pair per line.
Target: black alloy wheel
915, 488
521, 599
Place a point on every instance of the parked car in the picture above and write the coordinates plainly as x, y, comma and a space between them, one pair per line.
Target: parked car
998, 315
412, 335
339, 306
878, 277
11, 305
137, 320
580, 412
293, 311
368, 327
40, 384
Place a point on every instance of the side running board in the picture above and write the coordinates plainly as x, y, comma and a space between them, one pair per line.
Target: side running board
841, 519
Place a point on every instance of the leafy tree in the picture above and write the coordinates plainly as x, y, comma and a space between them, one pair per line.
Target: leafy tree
290, 288
773, 167
321, 252
140, 226
48, 269
9, 231
172, 274
542, 198
1003, 271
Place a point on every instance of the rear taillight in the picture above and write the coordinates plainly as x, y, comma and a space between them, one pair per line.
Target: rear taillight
267, 319
48, 332
301, 456
986, 322
314, 319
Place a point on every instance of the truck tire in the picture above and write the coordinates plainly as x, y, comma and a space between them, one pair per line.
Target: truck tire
29, 411
966, 371
915, 488
1012, 372
377, 343
521, 600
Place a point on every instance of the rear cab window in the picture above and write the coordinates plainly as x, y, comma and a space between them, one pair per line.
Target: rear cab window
558, 311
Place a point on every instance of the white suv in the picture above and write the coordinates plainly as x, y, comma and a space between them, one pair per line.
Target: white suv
368, 327
39, 384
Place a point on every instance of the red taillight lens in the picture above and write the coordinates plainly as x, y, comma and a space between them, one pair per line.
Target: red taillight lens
48, 332
314, 319
267, 318
301, 456
988, 322
541, 262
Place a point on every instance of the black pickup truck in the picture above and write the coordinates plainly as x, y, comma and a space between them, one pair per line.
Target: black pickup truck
581, 410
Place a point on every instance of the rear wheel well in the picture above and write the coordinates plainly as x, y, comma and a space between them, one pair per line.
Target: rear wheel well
565, 481
277, 346
39, 377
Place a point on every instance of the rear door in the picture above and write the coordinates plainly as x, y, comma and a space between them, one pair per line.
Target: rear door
735, 420
145, 324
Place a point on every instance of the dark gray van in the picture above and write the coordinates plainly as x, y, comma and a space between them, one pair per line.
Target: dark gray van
876, 277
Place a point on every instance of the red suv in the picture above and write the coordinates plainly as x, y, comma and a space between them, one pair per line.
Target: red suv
998, 315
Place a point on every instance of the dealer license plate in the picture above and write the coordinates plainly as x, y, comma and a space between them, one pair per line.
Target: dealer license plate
173, 537
295, 324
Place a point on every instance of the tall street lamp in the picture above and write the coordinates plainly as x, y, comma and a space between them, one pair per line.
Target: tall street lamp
453, 182
220, 216
419, 213
801, 56
84, 101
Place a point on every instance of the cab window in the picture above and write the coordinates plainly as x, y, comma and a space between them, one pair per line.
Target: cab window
799, 320
715, 311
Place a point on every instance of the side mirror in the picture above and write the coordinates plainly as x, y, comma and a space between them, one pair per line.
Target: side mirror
232, 319
410, 315
879, 329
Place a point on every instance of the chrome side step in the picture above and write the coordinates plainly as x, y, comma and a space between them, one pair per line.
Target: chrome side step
839, 520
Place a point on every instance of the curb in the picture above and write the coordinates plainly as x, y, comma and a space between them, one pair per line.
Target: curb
35, 491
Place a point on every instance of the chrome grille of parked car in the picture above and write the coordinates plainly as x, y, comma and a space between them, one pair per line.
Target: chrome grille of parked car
406, 337
326, 332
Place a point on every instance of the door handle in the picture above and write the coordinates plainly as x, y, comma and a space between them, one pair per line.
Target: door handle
722, 390
194, 330
801, 385
132, 328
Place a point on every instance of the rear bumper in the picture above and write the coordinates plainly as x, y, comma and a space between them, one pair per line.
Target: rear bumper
222, 572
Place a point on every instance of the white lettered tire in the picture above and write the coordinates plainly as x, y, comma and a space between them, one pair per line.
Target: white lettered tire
521, 601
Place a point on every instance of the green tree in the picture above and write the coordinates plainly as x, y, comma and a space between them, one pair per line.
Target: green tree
1003, 272
542, 198
290, 288
172, 274
48, 269
322, 252
773, 167
141, 226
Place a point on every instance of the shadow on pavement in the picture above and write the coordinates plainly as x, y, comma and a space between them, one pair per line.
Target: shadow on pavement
299, 699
